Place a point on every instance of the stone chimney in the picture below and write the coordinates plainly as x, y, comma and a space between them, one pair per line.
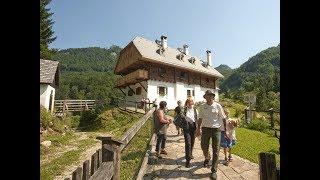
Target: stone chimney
164, 42
209, 61
186, 49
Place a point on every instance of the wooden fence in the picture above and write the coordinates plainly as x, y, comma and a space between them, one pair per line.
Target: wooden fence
105, 162
61, 106
271, 113
135, 106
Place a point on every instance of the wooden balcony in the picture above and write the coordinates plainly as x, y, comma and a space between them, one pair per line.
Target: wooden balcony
132, 78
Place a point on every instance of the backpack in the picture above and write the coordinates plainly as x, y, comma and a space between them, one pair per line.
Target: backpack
180, 120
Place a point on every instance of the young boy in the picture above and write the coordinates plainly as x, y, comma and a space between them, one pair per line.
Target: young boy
228, 137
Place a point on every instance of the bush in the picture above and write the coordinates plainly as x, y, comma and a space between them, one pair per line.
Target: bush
89, 120
75, 121
258, 125
45, 117
239, 111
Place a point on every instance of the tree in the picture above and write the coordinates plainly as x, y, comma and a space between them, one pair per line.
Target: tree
46, 32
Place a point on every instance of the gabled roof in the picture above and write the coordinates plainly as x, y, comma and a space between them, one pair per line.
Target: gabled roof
48, 70
148, 50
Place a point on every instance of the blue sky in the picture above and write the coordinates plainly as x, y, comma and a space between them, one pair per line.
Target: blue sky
233, 30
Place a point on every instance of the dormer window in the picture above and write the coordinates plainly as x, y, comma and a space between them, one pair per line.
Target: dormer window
160, 51
192, 60
204, 64
180, 56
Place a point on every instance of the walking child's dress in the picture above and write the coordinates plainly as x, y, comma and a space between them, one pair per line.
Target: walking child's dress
231, 134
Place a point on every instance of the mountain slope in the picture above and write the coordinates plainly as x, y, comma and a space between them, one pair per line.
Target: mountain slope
87, 73
225, 70
88, 59
260, 75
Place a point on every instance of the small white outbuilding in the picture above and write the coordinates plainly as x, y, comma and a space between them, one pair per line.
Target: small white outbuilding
49, 81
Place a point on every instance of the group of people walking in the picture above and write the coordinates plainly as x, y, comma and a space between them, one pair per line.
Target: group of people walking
210, 121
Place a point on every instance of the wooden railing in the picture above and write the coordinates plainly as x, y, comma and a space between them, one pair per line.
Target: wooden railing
62, 106
267, 165
132, 78
105, 162
134, 106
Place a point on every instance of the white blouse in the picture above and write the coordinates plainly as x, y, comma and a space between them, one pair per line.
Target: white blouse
190, 115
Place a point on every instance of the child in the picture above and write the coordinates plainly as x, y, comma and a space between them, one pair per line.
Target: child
228, 137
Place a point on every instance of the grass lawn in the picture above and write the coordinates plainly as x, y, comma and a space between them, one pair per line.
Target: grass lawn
250, 143
133, 154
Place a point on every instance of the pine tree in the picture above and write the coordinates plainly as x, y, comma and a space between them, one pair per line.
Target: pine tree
46, 32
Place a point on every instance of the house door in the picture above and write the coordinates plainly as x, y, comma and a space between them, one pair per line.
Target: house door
51, 101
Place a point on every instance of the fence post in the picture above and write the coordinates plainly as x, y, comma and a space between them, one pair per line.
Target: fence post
145, 108
271, 118
268, 169
115, 156
86, 170
76, 175
246, 115
136, 104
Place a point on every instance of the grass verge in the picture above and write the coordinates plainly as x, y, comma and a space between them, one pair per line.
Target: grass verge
133, 154
55, 167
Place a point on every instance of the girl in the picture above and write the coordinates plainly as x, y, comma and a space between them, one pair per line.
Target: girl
228, 136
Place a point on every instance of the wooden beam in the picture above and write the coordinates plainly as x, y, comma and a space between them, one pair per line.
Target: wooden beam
143, 87
174, 77
132, 89
122, 92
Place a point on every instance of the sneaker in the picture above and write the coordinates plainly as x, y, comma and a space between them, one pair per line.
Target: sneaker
230, 158
206, 163
163, 152
159, 156
213, 176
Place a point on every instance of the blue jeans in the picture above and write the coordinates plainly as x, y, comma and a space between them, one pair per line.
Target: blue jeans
161, 141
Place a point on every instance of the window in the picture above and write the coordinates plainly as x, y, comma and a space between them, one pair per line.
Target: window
193, 93
138, 91
183, 74
162, 91
130, 92
162, 71
188, 93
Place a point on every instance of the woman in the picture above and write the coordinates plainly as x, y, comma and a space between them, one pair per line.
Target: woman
177, 112
191, 116
161, 123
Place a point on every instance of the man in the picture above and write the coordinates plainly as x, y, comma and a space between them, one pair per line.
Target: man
161, 124
211, 117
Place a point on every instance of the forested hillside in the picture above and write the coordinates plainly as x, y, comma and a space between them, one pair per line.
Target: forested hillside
260, 75
87, 73
225, 70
